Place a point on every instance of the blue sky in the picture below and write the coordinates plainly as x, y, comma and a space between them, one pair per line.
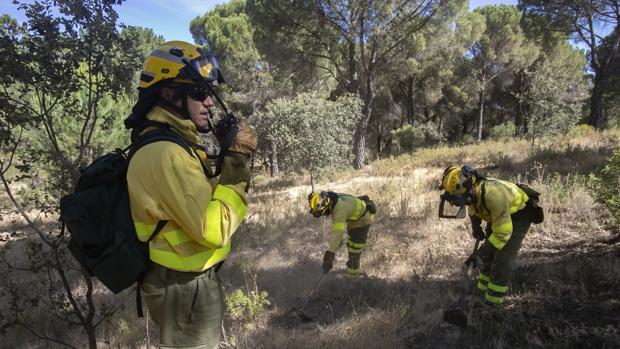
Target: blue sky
479, 3
171, 18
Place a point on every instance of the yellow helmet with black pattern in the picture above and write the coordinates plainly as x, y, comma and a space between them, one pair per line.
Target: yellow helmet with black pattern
320, 203
457, 183
453, 181
180, 62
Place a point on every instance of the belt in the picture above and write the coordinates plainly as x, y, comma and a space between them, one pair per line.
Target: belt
165, 273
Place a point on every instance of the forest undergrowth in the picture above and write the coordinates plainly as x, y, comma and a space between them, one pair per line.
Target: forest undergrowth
565, 291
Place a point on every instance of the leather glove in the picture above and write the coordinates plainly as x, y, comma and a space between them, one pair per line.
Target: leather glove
328, 261
486, 252
477, 232
235, 169
476, 228
475, 260
245, 141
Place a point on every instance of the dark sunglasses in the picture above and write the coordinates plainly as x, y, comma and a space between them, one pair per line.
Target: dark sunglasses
199, 93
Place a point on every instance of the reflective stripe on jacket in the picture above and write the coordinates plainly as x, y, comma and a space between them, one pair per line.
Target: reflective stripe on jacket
348, 213
166, 183
501, 199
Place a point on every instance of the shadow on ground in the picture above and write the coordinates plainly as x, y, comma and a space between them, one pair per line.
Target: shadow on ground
568, 299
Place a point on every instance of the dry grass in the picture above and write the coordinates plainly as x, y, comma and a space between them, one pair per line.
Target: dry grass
564, 291
413, 259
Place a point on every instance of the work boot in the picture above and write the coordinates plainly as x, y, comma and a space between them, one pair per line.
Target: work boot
353, 273
354, 260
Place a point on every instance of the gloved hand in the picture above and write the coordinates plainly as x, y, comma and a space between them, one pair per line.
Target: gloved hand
475, 260
486, 252
245, 141
477, 232
476, 228
235, 169
328, 261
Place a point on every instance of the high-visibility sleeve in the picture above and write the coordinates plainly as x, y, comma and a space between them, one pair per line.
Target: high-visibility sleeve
209, 216
498, 202
339, 224
336, 240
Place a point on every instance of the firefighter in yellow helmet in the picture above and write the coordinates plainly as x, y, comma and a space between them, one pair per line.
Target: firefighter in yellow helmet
187, 217
355, 214
507, 210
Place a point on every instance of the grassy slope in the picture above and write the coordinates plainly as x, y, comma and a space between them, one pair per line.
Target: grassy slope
565, 290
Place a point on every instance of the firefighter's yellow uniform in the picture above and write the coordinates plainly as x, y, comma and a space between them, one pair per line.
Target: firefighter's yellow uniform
168, 185
501, 204
351, 214
182, 290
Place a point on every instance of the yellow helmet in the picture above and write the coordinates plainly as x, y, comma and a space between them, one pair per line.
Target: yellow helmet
454, 182
180, 62
320, 203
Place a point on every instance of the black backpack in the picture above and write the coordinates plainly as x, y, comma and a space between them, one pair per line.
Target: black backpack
98, 216
532, 208
370, 205
534, 212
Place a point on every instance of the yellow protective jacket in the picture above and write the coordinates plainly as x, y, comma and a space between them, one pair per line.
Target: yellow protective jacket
501, 199
348, 213
166, 183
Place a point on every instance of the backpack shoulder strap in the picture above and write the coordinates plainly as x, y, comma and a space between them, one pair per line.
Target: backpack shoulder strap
157, 135
158, 228
163, 133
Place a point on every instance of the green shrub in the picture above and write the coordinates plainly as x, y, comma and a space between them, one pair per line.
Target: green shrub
583, 130
468, 139
308, 132
246, 306
606, 186
407, 138
503, 131
410, 137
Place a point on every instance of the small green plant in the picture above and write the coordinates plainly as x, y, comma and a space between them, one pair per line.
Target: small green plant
606, 186
405, 312
246, 306
503, 131
123, 326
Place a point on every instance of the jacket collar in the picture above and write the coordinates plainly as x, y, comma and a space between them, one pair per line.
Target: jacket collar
183, 127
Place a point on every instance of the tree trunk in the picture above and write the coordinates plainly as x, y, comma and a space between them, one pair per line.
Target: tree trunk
519, 124
92, 337
273, 158
464, 123
410, 112
597, 118
379, 139
439, 122
481, 106
359, 138
359, 143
